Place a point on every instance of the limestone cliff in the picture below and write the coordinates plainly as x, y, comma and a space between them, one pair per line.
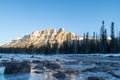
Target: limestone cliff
42, 37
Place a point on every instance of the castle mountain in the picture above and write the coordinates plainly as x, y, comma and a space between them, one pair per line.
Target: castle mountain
40, 38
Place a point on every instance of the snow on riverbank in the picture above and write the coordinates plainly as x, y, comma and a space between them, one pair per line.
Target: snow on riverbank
2, 70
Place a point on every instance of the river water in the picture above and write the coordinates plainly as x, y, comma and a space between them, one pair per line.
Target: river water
71, 61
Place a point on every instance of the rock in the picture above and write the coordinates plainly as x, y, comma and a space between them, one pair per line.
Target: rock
5, 61
52, 66
36, 61
38, 72
95, 78
71, 71
57, 60
0, 56
110, 56
96, 69
46, 64
114, 74
71, 62
111, 64
32, 56
1, 64
12, 59
60, 75
17, 67
39, 67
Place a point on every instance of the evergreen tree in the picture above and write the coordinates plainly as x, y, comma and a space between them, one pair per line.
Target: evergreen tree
103, 39
112, 42
87, 44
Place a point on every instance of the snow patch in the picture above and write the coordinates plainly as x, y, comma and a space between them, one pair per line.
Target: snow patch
2, 70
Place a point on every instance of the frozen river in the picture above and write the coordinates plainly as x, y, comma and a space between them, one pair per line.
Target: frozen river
74, 66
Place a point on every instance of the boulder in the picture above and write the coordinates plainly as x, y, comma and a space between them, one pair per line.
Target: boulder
17, 67
36, 61
52, 66
96, 69
95, 78
5, 62
117, 75
60, 75
39, 67
0, 56
39, 72
71, 71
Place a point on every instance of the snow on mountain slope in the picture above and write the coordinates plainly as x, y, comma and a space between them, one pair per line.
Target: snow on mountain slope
18, 40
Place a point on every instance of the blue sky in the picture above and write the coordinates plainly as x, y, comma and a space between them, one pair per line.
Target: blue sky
19, 17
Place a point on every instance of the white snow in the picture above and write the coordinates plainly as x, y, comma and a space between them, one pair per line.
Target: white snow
36, 33
2, 70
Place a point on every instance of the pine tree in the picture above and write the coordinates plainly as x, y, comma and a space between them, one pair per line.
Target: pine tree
87, 42
93, 44
103, 39
112, 42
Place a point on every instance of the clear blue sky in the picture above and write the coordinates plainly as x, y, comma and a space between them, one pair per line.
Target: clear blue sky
19, 17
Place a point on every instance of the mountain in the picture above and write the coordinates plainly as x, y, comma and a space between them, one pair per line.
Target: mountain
39, 38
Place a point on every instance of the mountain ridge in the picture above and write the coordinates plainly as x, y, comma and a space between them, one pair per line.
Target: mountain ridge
42, 37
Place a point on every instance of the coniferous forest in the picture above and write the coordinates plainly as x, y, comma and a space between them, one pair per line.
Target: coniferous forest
95, 43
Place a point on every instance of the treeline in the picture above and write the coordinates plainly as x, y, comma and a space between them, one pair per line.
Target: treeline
97, 43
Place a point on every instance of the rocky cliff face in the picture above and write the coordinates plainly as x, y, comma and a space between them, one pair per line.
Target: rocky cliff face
42, 37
